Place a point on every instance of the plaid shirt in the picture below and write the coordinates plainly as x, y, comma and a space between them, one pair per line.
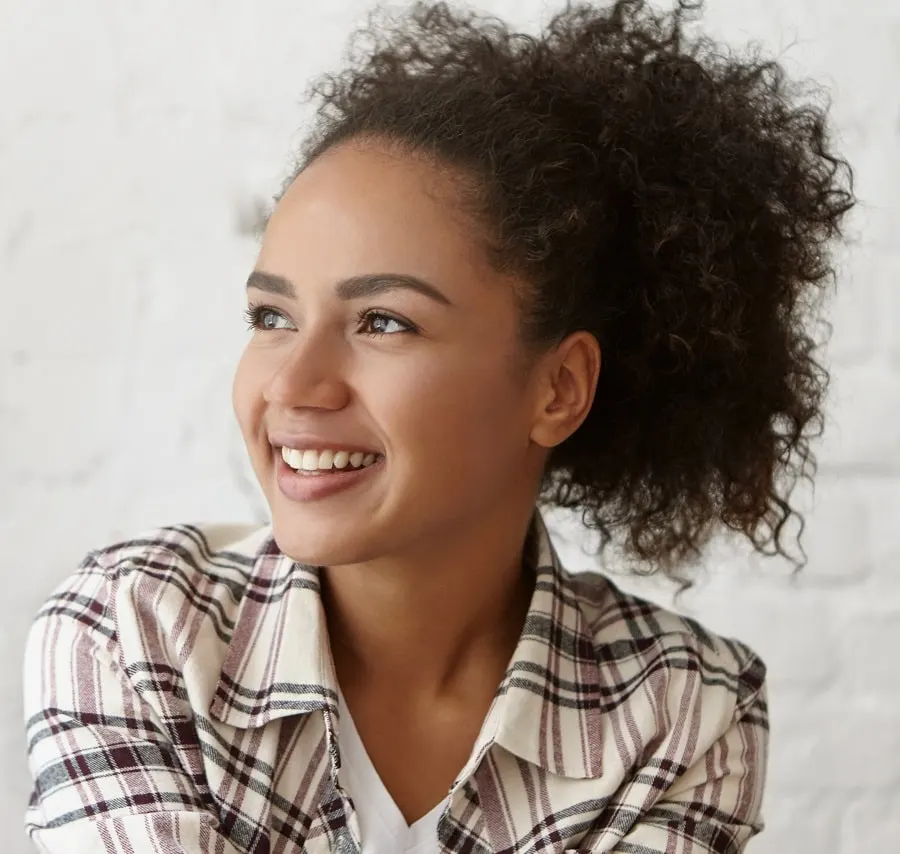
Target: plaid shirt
180, 698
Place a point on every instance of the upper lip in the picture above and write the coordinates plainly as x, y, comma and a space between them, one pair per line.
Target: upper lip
315, 442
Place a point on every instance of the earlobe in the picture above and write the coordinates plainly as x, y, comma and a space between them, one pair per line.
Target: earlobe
550, 428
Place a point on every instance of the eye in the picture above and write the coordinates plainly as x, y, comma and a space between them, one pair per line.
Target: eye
377, 321
265, 318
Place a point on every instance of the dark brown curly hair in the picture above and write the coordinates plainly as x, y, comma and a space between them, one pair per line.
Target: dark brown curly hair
675, 199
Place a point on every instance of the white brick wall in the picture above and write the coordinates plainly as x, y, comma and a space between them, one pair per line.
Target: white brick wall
134, 138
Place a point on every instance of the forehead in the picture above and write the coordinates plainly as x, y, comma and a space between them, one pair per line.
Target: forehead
364, 209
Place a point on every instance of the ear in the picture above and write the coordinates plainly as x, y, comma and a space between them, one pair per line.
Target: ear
567, 383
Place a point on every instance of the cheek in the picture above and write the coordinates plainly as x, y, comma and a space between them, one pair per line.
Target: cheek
245, 393
465, 408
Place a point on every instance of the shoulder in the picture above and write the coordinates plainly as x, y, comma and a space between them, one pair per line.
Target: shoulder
651, 645
194, 560
183, 574
165, 582
159, 607
215, 551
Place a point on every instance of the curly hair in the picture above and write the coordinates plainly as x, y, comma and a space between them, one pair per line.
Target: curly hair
671, 197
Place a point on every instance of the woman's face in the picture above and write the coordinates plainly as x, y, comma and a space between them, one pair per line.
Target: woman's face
434, 395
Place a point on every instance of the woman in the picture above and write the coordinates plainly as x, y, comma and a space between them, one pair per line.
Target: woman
507, 272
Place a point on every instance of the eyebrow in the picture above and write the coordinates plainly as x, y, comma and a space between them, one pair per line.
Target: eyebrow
354, 287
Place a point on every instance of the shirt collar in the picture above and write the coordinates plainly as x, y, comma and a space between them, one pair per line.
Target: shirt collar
546, 709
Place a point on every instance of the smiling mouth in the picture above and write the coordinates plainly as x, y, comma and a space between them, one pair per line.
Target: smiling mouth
314, 464
303, 485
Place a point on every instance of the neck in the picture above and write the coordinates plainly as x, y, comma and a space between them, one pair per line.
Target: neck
435, 624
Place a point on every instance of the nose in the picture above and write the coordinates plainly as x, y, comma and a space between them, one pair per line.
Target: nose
308, 374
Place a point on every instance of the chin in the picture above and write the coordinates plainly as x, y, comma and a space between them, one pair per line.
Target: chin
324, 545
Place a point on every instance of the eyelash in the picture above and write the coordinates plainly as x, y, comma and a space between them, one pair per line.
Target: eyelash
255, 311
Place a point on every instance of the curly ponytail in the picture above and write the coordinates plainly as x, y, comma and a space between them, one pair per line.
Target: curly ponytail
672, 198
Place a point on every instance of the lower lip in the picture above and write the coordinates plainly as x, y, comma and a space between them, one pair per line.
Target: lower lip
311, 487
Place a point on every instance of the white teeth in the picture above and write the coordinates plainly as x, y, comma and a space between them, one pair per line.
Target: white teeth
310, 460
292, 457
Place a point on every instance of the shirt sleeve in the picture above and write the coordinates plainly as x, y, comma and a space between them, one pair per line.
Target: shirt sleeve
106, 776
715, 806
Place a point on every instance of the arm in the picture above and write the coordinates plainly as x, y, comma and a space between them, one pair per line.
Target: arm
106, 777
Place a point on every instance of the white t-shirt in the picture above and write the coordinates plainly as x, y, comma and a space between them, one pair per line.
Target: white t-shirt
382, 827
